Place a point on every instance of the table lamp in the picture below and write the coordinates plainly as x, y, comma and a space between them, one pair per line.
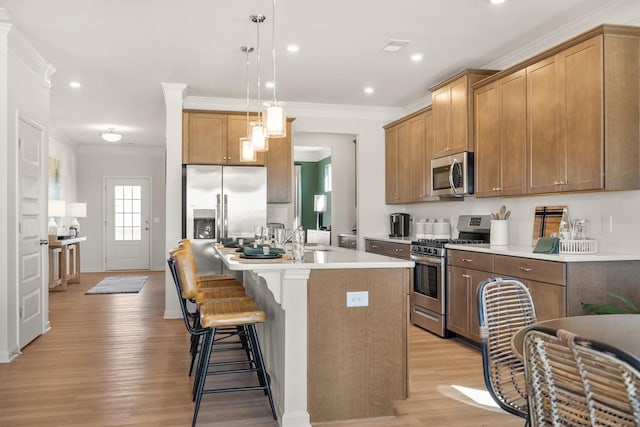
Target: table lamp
57, 209
76, 210
320, 206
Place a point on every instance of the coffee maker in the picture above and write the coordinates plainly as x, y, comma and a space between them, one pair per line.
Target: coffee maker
399, 223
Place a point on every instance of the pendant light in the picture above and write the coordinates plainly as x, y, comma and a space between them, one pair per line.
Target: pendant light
258, 135
247, 151
276, 120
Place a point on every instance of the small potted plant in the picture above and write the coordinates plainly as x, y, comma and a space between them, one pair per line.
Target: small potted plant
627, 308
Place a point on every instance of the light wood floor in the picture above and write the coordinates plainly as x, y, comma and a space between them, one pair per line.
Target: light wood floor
112, 360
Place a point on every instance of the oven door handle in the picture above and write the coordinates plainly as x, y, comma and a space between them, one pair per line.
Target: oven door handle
436, 261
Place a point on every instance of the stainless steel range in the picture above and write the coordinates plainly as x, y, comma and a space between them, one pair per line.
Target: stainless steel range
428, 299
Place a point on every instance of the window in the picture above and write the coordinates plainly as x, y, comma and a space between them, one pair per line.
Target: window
327, 177
128, 212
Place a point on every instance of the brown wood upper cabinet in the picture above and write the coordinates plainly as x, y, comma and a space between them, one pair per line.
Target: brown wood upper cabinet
582, 113
279, 164
453, 113
409, 143
500, 111
214, 138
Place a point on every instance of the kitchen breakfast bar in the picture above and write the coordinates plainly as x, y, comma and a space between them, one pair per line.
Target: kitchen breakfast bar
335, 340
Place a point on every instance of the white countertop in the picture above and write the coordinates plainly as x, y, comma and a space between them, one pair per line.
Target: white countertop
407, 240
527, 252
315, 257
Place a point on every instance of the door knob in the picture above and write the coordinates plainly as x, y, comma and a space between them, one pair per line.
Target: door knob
44, 242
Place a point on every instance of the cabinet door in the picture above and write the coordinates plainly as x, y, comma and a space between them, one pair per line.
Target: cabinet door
548, 299
279, 169
417, 154
391, 165
403, 171
475, 280
206, 138
487, 141
441, 104
513, 134
236, 129
459, 119
457, 300
583, 66
546, 148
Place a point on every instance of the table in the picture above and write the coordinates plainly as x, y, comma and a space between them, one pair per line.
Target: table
64, 262
619, 330
329, 357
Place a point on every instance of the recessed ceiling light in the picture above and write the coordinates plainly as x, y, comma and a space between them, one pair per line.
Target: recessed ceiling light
496, 1
368, 90
75, 84
293, 48
268, 85
395, 45
416, 57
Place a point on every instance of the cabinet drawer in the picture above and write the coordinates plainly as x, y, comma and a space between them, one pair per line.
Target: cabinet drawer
530, 269
467, 259
396, 250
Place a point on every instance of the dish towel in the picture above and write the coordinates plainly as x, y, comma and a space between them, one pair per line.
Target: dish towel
547, 245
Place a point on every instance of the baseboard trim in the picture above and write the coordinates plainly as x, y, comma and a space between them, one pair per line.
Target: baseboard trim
172, 314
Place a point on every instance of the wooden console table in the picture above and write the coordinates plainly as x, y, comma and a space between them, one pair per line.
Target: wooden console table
64, 262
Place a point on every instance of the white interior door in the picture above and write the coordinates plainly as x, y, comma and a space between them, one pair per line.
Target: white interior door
32, 234
127, 228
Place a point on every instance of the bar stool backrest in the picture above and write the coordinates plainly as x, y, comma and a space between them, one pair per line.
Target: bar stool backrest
577, 381
187, 272
504, 306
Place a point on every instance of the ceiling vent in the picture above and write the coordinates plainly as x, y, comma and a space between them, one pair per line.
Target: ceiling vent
395, 45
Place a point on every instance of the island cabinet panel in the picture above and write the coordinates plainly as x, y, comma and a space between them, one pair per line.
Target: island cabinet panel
357, 356
500, 137
452, 104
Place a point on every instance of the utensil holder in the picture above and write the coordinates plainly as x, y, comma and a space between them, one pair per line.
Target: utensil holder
499, 232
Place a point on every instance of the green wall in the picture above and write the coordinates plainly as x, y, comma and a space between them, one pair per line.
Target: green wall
312, 184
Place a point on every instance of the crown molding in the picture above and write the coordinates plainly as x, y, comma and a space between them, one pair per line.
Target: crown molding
15, 43
621, 12
298, 109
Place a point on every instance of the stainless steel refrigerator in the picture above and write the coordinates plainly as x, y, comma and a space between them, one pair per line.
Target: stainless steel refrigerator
221, 202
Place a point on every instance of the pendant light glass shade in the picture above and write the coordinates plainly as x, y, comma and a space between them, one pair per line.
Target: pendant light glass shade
247, 153
258, 137
276, 120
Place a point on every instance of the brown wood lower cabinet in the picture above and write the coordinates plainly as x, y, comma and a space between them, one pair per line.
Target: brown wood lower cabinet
358, 356
557, 288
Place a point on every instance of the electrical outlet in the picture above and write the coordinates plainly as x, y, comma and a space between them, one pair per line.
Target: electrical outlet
358, 299
607, 223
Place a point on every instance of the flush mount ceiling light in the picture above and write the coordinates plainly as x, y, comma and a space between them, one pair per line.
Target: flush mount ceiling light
111, 136
395, 45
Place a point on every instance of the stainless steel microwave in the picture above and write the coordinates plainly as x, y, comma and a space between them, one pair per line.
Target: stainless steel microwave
452, 175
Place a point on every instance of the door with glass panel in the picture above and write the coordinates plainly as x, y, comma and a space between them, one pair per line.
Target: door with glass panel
127, 228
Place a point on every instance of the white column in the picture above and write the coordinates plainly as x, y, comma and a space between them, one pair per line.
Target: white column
173, 99
5, 313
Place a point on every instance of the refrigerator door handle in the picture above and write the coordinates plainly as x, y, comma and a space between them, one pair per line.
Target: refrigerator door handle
226, 215
218, 217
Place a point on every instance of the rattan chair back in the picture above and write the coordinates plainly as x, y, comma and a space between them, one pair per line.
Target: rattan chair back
504, 306
575, 381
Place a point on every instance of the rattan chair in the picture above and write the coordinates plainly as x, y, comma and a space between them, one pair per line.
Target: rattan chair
579, 382
504, 306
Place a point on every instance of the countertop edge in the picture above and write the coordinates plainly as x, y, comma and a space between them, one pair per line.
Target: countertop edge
527, 252
405, 240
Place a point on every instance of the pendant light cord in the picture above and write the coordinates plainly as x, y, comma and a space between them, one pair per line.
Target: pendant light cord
258, 21
273, 49
247, 50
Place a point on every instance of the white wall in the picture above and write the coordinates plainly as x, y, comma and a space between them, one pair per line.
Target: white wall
65, 151
98, 161
24, 92
343, 162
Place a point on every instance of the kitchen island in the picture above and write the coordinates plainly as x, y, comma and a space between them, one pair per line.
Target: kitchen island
329, 361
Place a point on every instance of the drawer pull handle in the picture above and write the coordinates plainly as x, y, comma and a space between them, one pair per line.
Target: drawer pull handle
375, 246
466, 276
398, 250
527, 269
467, 260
